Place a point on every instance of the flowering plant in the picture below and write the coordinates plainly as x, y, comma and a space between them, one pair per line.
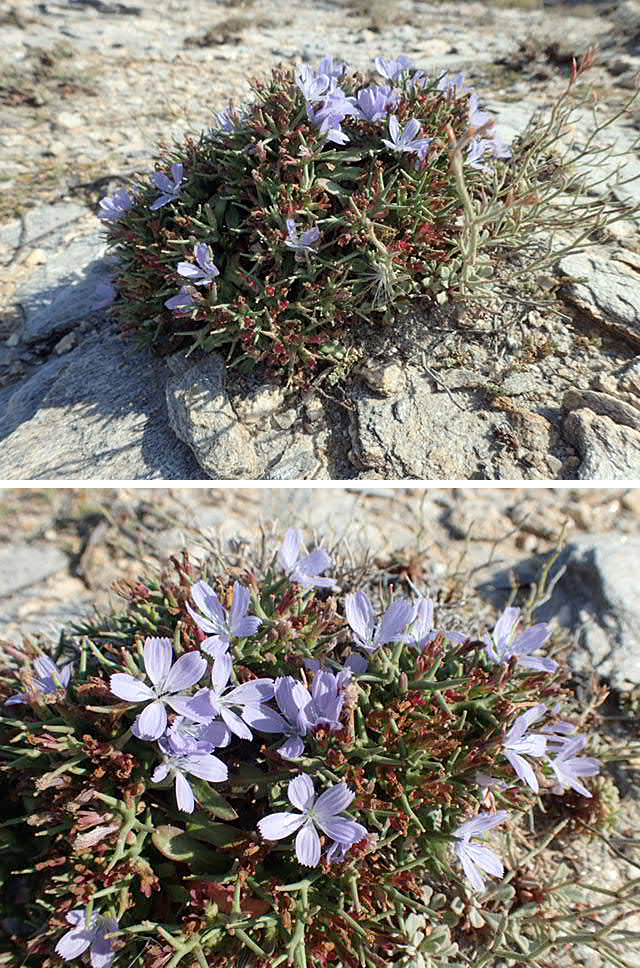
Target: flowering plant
271, 770
309, 214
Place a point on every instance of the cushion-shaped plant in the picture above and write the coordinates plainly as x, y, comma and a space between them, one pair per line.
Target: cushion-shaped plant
268, 771
296, 224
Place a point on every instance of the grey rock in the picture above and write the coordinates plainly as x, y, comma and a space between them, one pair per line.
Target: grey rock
259, 405
23, 564
611, 292
40, 226
630, 379
520, 383
299, 462
201, 416
608, 450
431, 438
603, 404
63, 290
597, 598
387, 379
97, 412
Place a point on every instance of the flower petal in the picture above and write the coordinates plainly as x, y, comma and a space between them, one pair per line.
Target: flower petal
473, 874
308, 846
292, 696
102, 953
290, 547
152, 721
235, 724
485, 858
359, 614
158, 655
265, 719
341, 830
277, 826
213, 628
334, 800
300, 791
197, 712
255, 691
74, 942
184, 794
188, 670
205, 766
160, 773
291, 748
221, 672
523, 769
395, 621
208, 602
126, 687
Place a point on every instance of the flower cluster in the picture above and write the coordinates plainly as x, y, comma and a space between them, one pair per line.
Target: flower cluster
289, 205
274, 736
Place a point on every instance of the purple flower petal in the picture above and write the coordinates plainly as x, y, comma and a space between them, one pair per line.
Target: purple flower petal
300, 791
334, 800
76, 917
394, 622
158, 655
485, 858
277, 826
235, 724
480, 824
255, 691
184, 794
206, 766
188, 670
290, 547
221, 672
265, 719
102, 953
185, 706
523, 722
359, 613
74, 943
160, 773
308, 848
341, 830
126, 687
151, 723
523, 769
291, 748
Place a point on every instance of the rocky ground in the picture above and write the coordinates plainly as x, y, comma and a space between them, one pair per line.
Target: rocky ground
89, 87
63, 548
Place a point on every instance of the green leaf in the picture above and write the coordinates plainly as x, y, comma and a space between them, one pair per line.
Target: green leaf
212, 801
174, 844
219, 834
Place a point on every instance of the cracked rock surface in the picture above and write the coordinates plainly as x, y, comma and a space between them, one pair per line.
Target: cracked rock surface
508, 392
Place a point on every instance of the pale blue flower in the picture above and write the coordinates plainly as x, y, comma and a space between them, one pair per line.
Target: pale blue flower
479, 147
369, 634
421, 632
170, 189
88, 932
405, 139
115, 206
304, 242
393, 69
504, 644
183, 302
313, 84
250, 697
568, 767
48, 679
204, 273
519, 743
305, 569
169, 680
374, 102
453, 86
478, 857
323, 813
178, 765
221, 625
